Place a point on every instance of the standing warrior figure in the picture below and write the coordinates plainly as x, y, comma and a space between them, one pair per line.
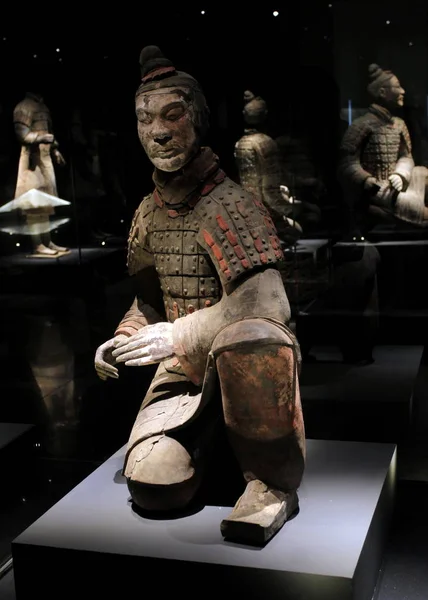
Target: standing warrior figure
225, 349
33, 129
376, 167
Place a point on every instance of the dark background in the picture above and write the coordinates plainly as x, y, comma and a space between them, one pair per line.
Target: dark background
310, 65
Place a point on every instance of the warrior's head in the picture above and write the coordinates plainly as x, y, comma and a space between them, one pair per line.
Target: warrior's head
385, 87
171, 110
255, 109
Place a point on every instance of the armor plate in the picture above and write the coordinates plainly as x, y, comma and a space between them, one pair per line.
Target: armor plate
198, 250
382, 151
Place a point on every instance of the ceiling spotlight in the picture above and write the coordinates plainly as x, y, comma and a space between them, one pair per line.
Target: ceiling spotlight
275, 13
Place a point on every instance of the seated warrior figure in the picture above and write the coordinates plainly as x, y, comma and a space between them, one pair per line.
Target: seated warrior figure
261, 172
376, 166
214, 250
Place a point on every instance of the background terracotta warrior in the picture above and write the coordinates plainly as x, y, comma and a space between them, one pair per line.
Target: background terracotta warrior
261, 172
214, 250
376, 167
33, 129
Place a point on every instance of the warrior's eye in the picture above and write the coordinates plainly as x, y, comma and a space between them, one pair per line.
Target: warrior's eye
174, 113
144, 117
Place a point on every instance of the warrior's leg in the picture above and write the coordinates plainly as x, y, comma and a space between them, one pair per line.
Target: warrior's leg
257, 364
165, 454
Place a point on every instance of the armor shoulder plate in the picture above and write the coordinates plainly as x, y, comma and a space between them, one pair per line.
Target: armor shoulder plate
24, 112
237, 232
138, 255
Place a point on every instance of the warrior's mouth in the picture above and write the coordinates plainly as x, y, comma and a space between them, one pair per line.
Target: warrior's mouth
166, 153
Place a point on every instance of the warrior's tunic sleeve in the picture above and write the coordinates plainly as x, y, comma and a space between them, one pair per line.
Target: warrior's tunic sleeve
405, 163
240, 237
141, 266
350, 167
22, 121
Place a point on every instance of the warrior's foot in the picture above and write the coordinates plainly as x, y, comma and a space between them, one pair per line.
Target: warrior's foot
56, 248
260, 512
43, 251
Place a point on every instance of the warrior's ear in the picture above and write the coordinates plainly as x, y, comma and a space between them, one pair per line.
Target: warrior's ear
382, 92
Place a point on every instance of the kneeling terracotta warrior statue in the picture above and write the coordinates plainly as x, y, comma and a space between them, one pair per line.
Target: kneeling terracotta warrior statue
215, 250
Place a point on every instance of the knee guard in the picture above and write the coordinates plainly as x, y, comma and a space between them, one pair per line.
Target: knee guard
161, 474
258, 364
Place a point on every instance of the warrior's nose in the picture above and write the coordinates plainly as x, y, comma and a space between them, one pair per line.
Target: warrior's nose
162, 138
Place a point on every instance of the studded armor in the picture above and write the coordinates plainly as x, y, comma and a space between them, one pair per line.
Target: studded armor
199, 250
188, 278
376, 145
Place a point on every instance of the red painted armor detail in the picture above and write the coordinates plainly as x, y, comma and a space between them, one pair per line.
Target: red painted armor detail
221, 175
173, 214
208, 238
279, 254
245, 263
241, 210
263, 258
269, 225
254, 234
258, 244
274, 242
239, 252
208, 188
228, 274
259, 205
223, 225
217, 252
232, 238
223, 264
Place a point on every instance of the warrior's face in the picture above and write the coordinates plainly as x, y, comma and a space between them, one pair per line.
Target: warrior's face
166, 129
392, 93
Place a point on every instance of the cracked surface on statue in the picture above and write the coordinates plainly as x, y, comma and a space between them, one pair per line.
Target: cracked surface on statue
225, 351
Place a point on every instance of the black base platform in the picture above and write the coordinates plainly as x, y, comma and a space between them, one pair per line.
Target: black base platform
93, 540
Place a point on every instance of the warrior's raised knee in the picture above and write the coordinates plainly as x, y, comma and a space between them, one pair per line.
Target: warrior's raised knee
255, 333
161, 474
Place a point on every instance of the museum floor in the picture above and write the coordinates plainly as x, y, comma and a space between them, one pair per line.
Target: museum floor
340, 402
